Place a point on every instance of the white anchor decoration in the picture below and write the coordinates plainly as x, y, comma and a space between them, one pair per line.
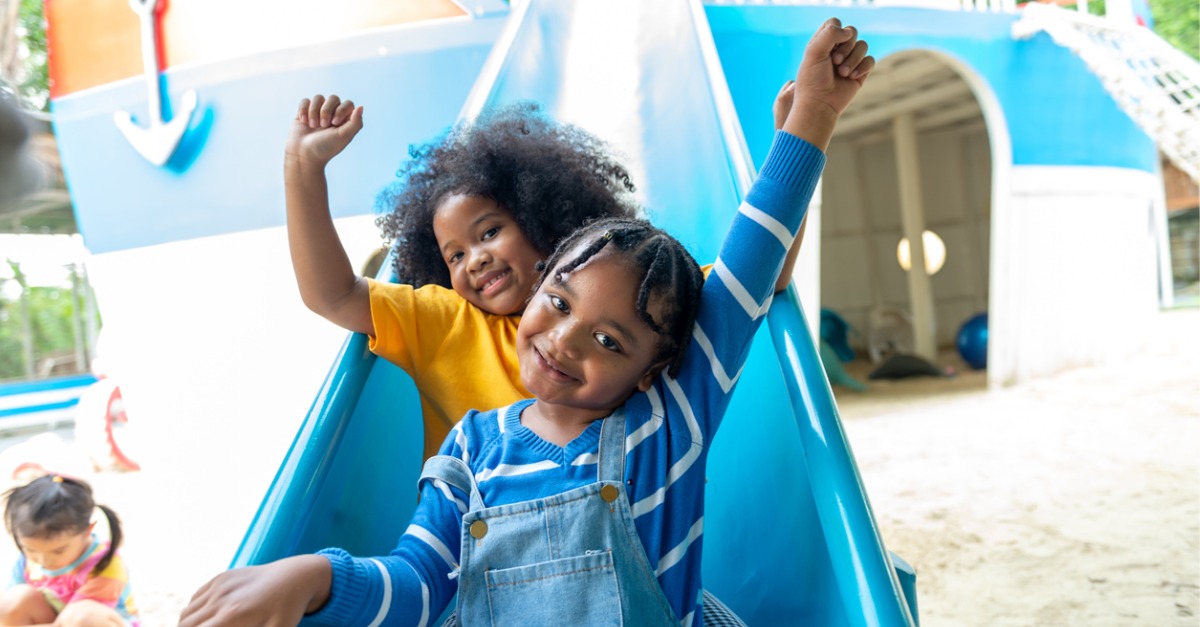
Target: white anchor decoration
158, 142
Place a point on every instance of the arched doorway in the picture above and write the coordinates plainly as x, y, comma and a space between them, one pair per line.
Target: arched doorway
912, 174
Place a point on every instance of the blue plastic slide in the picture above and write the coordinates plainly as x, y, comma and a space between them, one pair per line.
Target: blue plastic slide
789, 534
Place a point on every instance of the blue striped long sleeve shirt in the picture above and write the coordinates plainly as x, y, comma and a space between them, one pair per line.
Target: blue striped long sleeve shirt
668, 432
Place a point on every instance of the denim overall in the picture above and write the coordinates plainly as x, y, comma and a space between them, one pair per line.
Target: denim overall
573, 558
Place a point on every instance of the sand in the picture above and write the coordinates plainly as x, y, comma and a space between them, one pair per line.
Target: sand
1073, 500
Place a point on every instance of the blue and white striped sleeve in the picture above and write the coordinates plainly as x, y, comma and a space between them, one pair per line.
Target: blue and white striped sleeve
412, 585
739, 290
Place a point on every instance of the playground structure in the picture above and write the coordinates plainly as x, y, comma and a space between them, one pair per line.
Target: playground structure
1050, 215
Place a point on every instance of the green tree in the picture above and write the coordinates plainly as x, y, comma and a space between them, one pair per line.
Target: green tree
1178, 22
34, 84
12, 352
51, 325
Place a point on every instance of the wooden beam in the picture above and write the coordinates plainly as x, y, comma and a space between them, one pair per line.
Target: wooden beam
952, 90
913, 71
949, 115
912, 213
885, 134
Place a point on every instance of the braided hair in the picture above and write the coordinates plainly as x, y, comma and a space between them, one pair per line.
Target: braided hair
551, 177
669, 277
54, 504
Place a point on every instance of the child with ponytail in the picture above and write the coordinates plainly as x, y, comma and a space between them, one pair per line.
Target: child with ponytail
66, 575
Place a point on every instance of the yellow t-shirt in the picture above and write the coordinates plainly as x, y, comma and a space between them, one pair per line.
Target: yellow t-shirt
459, 356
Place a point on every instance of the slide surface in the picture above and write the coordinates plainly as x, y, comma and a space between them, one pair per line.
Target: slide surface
789, 535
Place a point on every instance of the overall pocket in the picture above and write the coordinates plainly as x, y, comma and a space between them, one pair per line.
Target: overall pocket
578, 590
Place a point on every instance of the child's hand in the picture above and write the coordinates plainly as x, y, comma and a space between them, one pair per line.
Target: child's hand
783, 103
834, 68
323, 128
274, 594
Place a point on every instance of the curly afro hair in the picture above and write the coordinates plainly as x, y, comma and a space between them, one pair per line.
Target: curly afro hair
551, 177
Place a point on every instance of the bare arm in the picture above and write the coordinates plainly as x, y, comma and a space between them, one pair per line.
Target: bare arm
827, 81
783, 104
789, 262
328, 283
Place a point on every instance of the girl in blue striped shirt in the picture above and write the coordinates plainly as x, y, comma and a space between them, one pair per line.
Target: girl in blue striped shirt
585, 505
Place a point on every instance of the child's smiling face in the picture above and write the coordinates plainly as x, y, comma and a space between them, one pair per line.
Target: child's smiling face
492, 264
581, 343
58, 550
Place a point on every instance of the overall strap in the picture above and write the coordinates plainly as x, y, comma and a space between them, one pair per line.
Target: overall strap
611, 466
455, 472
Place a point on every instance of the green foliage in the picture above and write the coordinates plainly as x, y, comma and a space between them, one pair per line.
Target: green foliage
34, 83
1178, 22
12, 357
51, 324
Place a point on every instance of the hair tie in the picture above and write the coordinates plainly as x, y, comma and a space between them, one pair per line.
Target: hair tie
57, 479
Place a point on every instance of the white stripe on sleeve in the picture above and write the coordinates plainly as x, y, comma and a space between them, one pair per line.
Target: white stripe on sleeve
648, 503
460, 439
714, 362
646, 430
675, 555
739, 292
434, 543
387, 594
444, 488
656, 404
689, 458
424, 605
775, 227
685, 463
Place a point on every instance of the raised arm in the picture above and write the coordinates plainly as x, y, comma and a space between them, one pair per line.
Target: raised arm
738, 293
780, 109
329, 286
842, 71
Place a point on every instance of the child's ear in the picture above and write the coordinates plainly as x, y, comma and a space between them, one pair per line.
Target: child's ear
651, 374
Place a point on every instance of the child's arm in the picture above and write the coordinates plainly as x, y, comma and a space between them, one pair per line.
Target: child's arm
738, 293
849, 61
783, 104
329, 286
279, 593
334, 588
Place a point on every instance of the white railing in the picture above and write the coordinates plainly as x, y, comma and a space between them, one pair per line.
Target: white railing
1155, 84
1121, 10
996, 6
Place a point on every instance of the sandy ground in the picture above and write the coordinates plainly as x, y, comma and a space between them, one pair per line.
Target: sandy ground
1074, 500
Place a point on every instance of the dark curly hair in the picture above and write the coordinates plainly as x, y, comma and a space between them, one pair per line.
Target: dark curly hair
551, 177
668, 273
